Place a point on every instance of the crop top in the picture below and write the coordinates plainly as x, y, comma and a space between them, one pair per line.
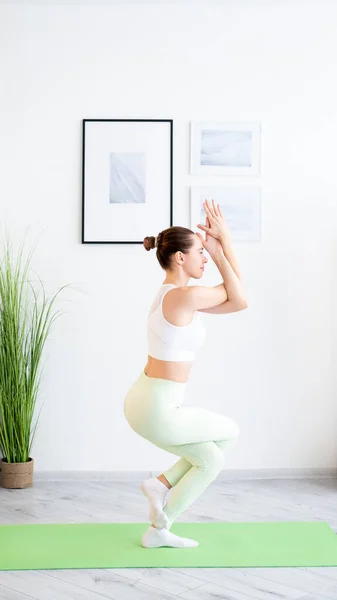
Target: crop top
172, 342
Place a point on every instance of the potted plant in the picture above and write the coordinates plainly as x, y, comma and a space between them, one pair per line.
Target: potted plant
24, 327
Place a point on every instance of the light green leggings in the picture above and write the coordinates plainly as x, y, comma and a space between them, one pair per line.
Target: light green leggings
153, 409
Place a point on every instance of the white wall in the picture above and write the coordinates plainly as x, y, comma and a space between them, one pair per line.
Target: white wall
271, 368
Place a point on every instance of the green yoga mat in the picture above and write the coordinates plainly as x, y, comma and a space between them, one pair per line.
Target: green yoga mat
115, 545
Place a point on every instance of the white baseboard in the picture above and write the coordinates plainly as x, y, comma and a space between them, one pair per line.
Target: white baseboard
224, 475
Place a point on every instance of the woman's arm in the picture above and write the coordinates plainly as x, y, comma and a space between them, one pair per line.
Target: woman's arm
236, 299
229, 253
225, 260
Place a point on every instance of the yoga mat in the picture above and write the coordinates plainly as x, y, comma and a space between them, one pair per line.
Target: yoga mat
115, 545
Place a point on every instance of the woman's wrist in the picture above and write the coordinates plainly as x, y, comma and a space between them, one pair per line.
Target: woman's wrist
217, 255
225, 242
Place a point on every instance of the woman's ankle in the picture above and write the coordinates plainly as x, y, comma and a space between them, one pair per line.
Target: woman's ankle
163, 480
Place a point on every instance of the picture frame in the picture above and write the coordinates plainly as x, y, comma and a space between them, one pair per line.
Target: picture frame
221, 148
127, 174
241, 207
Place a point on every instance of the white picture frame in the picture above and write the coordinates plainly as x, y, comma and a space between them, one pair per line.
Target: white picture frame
241, 207
221, 148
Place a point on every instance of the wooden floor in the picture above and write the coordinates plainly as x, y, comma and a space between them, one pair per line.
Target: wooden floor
122, 501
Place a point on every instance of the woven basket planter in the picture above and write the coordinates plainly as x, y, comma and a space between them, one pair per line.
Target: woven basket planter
17, 475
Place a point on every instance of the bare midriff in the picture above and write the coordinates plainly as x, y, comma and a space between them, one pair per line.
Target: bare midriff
167, 369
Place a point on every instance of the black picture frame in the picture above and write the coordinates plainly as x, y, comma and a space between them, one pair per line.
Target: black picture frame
88, 155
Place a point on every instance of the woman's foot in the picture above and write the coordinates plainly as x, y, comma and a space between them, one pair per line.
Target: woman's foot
155, 538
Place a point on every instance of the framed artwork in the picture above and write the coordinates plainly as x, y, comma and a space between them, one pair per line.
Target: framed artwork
126, 179
225, 148
240, 206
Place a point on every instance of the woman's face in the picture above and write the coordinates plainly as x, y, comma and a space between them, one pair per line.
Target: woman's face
195, 260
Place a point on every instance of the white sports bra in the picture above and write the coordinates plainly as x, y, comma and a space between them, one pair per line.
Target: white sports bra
172, 342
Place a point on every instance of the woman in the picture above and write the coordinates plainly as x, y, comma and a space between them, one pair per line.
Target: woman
152, 406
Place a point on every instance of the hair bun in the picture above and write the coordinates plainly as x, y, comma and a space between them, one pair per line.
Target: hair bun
149, 242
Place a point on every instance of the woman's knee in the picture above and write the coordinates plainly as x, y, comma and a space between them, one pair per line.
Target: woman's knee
211, 458
229, 438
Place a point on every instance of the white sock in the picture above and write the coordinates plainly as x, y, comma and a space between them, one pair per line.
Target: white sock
156, 492
155, 538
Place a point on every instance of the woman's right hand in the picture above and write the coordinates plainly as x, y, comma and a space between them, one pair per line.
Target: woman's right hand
218, 227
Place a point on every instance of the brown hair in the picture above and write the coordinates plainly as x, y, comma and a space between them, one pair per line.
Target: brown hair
169, 241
